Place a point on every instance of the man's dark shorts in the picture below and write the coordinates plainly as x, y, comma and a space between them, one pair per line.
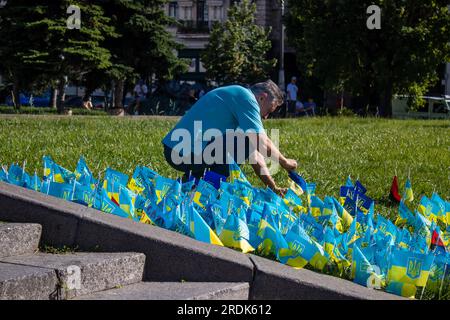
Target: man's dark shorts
197, 170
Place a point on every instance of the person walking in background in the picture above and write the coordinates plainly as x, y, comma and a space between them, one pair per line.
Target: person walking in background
140, 92
292, 92
87, 102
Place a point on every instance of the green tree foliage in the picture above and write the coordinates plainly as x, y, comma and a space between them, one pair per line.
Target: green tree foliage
334, 44
144, 47
118, 40
43, 44
237, 50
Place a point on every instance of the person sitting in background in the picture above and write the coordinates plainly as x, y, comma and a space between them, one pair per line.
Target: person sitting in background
310, 106
140, 93
87, 103
299, 108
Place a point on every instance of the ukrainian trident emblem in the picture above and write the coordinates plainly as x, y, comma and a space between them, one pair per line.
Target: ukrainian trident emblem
414, 268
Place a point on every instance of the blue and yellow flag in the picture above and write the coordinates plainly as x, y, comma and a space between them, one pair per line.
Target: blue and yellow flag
352, 234
363, 272
386, 228
127, 199
346, 218
116, 176
60, 190
404, 239
439, 272
345, 192
437, 200
214, 178
83, 175
292, 200
408, 195
314, 229
103, 203
204, 194
302, 250
83, 194
163, 187
428, 208
200, 229
422, 231
236, 172
359, 188
405, 216
18, 176
56, 172
4, 174
136, 183
402, 289
348, 182
299, 181
316, 206
410, 267
330, 245
269, 233
235, 234
35, 183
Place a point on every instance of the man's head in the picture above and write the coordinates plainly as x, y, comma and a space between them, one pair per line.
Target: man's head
293, 79
268, 95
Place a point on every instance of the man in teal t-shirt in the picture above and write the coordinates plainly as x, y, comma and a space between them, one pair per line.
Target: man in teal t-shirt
205, 135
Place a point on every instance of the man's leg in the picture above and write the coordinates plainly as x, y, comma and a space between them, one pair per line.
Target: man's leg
240, 153
188, 169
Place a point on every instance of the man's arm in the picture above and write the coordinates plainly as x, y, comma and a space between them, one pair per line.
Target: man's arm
262, 143
263, 147
259, 166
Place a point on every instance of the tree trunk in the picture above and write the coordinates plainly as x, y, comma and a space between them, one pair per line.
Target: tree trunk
15, 95
53, 97
61, 95
118, 94
113, 95
386, 101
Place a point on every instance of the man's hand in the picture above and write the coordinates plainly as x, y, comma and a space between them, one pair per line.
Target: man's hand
289, 164
280, 191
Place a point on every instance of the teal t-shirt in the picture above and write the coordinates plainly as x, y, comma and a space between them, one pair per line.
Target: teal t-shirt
230, 107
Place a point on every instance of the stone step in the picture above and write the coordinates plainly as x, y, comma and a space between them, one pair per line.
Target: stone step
65, 276
175, 291
19, 238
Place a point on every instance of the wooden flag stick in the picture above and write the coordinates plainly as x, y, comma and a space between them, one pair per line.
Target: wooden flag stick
442, 281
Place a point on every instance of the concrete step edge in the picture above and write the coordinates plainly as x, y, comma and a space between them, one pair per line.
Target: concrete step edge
175, 291
19, 238
85, 273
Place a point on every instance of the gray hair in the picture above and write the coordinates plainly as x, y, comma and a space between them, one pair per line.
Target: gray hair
269, 87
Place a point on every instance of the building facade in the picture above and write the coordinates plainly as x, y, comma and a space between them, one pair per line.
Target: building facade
196, 18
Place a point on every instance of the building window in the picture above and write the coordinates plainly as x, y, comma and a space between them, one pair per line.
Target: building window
216, 13
188, 14
173, 10
233, 2
206, 16
201, 8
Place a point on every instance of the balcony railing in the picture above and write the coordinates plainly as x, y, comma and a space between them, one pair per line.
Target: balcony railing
192, 26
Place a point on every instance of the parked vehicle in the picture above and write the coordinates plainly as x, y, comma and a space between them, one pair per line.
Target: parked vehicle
434, 108
42, 100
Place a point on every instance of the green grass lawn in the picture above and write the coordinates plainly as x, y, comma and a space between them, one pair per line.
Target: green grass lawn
327, 149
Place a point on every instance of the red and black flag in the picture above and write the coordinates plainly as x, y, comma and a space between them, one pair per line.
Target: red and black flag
436, 241
394, 195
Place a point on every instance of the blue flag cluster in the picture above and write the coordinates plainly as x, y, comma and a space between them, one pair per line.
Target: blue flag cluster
341, 236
